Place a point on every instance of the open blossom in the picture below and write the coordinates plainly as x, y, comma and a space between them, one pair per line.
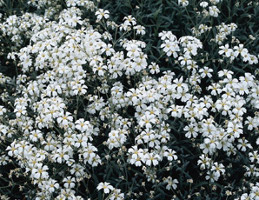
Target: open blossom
100, 70
214, 11
183, 3
147, 121
240, 49
192, 131
106, 187
117, 195
140, 29
225, 73
152, 159
218, 169
51, 185
64, 119
204, 161
170, 154
243, 144
12, 149
137, 156
69, 182
171, 183
225, 50
61, 155
83, 125
129, 20
102, 14
204, 4
40, 171
206, 72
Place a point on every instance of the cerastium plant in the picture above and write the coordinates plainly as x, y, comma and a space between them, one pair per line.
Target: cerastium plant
151, 99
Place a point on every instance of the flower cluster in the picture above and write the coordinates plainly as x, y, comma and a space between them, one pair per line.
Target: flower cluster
92, 113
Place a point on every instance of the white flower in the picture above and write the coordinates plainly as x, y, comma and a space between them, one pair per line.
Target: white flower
40, 171
253, 60
240, 50
170, 154
254, 156
244, 197
225, 73
206, 72
254, 194
154, 68
129, 20
218, 168
69, 182
136, 156
213, 11
204, 4
204, 161
147, 121
83, 125
170, 47
51, 185
250, 122
116, 195
100, 69
106, 187
102, 14
192, 130
176, 111
171, 183
140, 29
27, 62
212, 176
79, 89
152, 159
243, 144
65, 119
61, 155
77, 170
12, 149
225, 50
35, 135
183, 3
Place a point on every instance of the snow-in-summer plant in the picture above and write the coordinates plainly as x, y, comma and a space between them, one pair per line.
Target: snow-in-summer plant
129, 99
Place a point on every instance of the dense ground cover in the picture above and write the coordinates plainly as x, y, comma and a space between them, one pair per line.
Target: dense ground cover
127, 99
